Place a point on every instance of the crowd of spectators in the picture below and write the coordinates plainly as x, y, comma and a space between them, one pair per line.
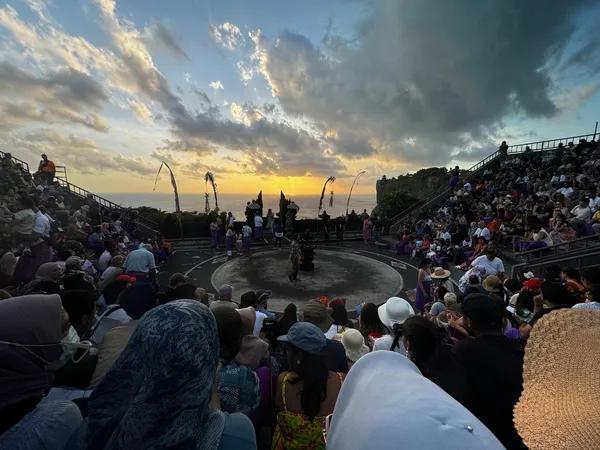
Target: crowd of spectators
94, 355
521, 202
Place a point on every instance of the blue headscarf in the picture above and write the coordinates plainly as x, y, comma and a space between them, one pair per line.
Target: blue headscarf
157, 394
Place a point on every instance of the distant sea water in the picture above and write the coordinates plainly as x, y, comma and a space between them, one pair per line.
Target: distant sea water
236, 203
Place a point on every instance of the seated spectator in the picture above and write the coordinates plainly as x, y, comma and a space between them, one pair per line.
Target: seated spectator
490, 263
112, 271
250, 300
225, 297
493, 366
81, 307
140, 263
287, 319
572, 281
492, 285
142, 402
320, 315
553, 296
425, 346
370, 325
307, 393
561, 351
581, 214
46, 281
31, 328
339, 315
23, 220
354, 344
404, 407
238, 387
393, 313
252, 348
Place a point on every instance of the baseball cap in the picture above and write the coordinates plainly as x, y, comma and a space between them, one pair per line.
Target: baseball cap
305, 336
533, 284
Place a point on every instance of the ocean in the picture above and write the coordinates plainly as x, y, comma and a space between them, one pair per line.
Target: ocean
236, 203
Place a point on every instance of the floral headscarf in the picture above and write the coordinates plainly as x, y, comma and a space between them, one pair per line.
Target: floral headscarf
157, 394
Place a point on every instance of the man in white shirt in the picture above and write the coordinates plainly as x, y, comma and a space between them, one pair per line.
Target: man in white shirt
24, 219
141, 262
258, 226
467, 187
41, 223
581, 213
567, 191
490, 263
595, 202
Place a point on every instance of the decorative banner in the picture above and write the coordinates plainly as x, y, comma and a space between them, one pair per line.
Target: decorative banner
173, 183
329, 180
352, 187
209, 177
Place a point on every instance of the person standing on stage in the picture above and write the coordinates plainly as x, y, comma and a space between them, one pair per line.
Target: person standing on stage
230, 240
294, 258
246, 237
258, 226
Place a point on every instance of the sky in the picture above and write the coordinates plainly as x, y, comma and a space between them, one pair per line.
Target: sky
271, 95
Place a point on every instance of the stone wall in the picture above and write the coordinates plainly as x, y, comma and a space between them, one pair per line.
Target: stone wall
421, 184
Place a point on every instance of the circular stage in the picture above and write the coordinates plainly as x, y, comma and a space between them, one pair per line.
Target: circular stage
349, 275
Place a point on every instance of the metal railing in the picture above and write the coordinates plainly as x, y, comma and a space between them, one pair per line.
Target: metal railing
61, 172
537, 146
580, 261
84, 193
23, 164
579, 244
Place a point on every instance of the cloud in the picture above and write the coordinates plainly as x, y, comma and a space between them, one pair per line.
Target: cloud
227, 35
216, 85
159, 37
64, 96
141, 111
438, 72
79, 154
196, 131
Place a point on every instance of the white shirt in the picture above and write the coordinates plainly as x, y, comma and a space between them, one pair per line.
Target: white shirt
104, 260
258, 221
595, 203
246, 231
492, 267
566, 191
258, 323
588, 305
582, 212
485, 233
446, 236
41, 224
231, 220
467, 187
385, 343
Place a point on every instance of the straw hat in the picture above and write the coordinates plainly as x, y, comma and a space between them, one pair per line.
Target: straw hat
492, 284
317, 313
559, 405
440, 273
354, 343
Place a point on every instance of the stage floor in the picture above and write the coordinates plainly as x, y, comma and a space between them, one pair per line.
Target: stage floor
353, 271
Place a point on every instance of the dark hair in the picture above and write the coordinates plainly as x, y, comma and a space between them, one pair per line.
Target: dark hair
595, 292
339, 314
425, 262
184, 291
313, 371
229, 326
525, 300
591, 275
572, 273
137, 299
485, 313
440, 292
425, 341
512, 285
248, 299
112, 290
27, 202
78, 303
552, 273
289, 318
370, 321
556, 294
75, 281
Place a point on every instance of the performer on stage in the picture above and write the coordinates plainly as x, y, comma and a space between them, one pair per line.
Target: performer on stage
294, 258
230, 240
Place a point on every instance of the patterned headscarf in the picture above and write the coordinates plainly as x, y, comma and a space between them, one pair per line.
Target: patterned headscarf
157, 394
